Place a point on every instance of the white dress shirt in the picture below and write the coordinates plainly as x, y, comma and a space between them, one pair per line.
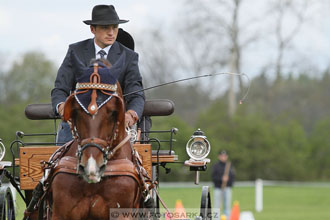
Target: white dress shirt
97, 49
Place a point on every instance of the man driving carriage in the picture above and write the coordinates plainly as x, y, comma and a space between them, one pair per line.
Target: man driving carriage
104, 26
104, 45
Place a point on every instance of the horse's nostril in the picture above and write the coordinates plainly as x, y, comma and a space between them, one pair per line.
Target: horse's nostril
93, 178
92, 173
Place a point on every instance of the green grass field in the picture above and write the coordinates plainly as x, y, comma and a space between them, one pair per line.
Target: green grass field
280, 203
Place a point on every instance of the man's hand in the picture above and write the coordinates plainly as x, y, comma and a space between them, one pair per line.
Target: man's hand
225, 178
61, 109
130, 118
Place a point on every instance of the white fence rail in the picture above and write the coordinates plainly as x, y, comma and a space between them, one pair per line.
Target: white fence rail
245, 184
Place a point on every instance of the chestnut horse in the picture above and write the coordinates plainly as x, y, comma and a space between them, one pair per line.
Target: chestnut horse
98, 171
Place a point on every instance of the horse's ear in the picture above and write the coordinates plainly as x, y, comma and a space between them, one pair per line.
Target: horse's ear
67, 114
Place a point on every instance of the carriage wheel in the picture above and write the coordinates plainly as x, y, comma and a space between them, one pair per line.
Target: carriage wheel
2, 207
7, 209
10, 209
206, 210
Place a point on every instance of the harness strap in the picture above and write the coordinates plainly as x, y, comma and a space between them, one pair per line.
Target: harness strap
60, 152
120, 167
161, 201
40, 191
113, 151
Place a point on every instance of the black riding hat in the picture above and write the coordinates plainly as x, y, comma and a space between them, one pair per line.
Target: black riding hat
104, 15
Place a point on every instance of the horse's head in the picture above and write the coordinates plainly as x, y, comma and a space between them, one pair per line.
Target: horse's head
96, 113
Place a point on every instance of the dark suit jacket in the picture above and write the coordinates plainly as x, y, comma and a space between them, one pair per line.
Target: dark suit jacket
130, 78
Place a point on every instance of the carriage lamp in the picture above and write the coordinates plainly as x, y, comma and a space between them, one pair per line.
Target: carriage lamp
2, 150
198, 147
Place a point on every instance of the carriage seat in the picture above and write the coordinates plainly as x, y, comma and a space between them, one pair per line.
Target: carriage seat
153, 107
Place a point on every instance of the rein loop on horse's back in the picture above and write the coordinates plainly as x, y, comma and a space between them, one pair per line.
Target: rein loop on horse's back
197, 77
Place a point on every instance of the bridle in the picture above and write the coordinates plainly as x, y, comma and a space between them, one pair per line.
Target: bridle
105, 146
102, 145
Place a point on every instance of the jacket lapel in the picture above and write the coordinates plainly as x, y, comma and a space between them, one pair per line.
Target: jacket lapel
89, 52
114, 53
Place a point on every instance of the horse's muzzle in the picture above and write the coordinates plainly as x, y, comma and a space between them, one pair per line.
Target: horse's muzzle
91, 172
93, 178
92, 169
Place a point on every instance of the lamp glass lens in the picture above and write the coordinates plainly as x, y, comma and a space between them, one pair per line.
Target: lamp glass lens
2, 151
198, 149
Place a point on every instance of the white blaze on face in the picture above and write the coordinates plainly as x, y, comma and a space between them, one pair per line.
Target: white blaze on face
92, 170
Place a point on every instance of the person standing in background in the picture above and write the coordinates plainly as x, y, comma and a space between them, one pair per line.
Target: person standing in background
223, 177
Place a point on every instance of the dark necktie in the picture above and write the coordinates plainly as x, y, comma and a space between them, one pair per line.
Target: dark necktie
102, 54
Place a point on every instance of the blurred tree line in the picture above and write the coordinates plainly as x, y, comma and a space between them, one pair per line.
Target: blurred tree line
280, 132
28, 80
274, 134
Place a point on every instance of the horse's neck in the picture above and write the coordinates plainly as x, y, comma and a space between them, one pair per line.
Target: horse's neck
73, 149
